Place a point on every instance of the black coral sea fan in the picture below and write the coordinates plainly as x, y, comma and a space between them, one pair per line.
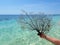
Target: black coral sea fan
39, 22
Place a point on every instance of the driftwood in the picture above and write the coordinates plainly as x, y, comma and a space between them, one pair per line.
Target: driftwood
39, 22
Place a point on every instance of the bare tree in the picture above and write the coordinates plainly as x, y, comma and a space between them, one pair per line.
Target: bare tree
38, 22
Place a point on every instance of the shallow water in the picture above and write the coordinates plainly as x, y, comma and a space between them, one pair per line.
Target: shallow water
12, 34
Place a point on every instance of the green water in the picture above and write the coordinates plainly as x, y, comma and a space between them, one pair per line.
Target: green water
12, 34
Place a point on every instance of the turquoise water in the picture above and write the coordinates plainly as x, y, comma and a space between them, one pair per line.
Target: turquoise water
12, 34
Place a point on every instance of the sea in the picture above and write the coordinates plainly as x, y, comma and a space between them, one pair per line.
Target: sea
11, 32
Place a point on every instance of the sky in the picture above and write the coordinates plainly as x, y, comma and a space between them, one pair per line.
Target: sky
16, 6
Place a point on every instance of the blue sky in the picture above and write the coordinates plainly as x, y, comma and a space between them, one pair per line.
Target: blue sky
15, 6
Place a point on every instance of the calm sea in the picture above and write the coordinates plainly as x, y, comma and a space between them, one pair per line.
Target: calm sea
12, 34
